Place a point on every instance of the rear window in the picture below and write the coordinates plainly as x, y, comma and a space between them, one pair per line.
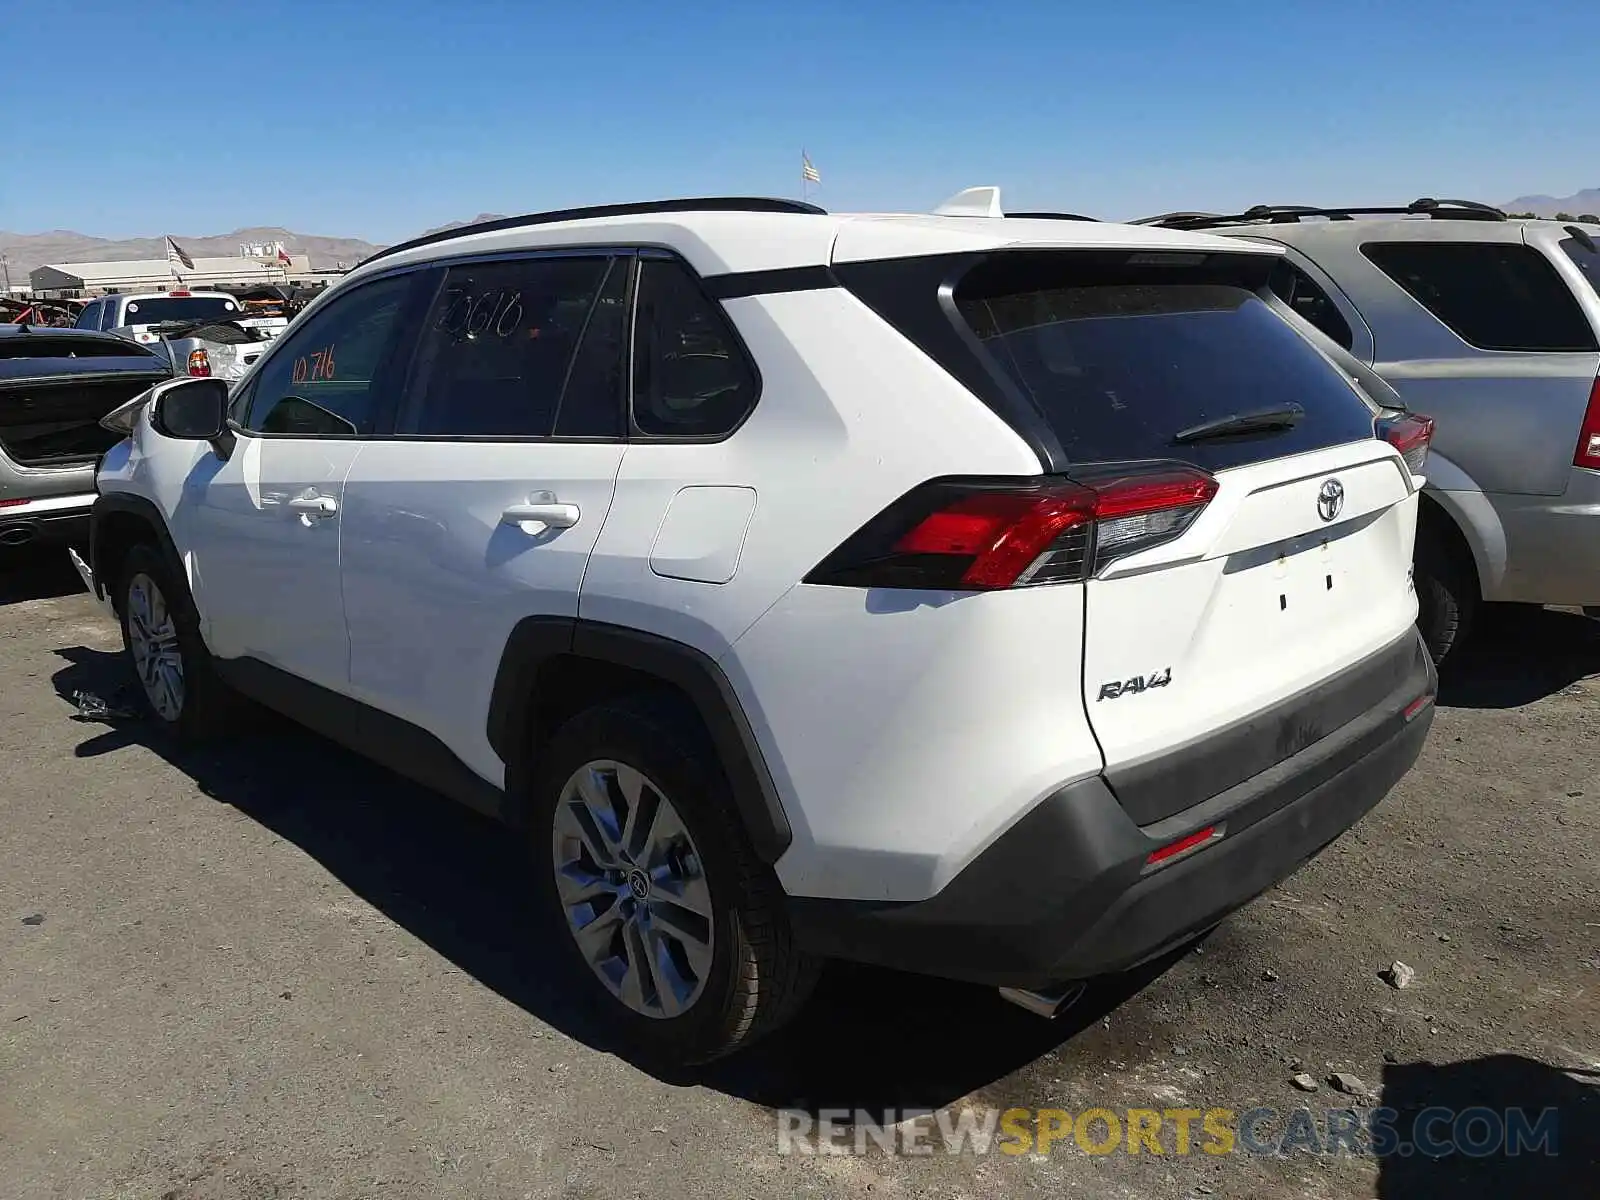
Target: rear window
55, 345
152, 310
1119, 368
1492, 295
1588, 261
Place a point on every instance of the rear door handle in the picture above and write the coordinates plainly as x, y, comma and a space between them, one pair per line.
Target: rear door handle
536, 517
313, 508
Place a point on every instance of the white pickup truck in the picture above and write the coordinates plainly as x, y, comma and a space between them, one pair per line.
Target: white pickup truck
135, 314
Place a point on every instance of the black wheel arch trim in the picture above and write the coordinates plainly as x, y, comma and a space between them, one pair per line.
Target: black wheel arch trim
536, 640
108, 503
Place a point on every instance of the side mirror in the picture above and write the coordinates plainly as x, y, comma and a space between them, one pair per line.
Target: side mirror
194, 410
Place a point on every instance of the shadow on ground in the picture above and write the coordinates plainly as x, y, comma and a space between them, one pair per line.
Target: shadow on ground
870, 1039
36, 573
1535, 1130
1518, 654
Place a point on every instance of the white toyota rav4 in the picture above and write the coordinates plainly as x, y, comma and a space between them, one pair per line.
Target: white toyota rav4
1002, 599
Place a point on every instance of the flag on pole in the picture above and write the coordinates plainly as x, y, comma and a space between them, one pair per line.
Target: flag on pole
175, 254
808, 172
283, 257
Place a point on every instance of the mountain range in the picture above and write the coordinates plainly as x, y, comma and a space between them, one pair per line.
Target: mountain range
1578, 204
25, 251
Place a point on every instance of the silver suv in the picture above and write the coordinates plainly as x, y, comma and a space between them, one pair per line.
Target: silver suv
1491, 326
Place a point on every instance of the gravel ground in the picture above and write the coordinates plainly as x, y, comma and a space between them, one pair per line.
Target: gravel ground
272, 970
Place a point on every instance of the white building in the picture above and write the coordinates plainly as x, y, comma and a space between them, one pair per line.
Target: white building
98, 278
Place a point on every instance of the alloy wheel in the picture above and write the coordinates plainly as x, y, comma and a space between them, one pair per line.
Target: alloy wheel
633, 888
153, 640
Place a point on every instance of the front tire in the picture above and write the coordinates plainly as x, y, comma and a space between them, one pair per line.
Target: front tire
669, 922
161, 633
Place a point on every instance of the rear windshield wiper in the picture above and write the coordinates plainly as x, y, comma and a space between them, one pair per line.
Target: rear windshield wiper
1284, 416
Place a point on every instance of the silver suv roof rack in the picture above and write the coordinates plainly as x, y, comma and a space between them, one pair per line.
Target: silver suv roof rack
762, 204
1279, 214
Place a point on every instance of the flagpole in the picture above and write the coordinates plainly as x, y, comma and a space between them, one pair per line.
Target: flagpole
805, 180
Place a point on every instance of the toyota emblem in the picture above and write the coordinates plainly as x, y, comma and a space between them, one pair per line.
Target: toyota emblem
1330, 499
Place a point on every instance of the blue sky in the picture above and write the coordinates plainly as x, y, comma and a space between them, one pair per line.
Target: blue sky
379, 119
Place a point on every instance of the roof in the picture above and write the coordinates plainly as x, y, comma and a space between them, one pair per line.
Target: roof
727, 241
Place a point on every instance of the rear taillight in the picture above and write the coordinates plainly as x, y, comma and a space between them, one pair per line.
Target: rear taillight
987, 535
1588, 453
199, 363
1411, 434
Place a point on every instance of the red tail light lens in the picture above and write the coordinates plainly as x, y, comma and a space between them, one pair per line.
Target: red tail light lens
985, 535
1588, 453
200, 363
1411, 434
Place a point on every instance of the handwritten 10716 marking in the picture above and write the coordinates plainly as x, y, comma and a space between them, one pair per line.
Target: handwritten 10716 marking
316, 367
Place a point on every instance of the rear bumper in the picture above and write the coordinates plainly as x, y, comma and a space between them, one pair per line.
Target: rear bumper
24, 525
1066, 894
1552, 544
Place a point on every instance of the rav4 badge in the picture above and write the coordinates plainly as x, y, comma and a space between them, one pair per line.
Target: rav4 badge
1139, 683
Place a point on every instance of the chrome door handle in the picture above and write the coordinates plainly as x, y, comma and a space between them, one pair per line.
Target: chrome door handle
313, 508
536, 518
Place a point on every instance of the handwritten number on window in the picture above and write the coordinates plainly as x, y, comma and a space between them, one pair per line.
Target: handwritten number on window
466, 317
316, 367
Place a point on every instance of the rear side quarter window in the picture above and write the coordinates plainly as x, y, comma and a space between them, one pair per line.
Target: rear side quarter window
1586, 258
1302, 293
1492, 295
691, 376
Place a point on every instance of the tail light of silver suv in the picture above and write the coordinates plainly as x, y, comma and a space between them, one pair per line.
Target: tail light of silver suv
1411, 434
1588, 451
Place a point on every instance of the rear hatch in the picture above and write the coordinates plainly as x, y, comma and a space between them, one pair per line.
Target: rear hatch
55, 388
1247, 583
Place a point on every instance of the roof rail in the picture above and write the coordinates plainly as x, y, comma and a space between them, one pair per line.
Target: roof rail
1279, 214
762, 204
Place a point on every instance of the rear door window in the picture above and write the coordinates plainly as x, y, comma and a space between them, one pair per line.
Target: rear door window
89, 318
1119, 362
499, 352
1492, 295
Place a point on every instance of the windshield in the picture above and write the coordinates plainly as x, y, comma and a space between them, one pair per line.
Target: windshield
152, 310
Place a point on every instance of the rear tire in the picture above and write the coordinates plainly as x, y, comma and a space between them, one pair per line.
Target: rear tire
688, 951
1447, 592
178, 683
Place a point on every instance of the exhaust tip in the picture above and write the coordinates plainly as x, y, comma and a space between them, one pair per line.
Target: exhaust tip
1045, 1004
17, 535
